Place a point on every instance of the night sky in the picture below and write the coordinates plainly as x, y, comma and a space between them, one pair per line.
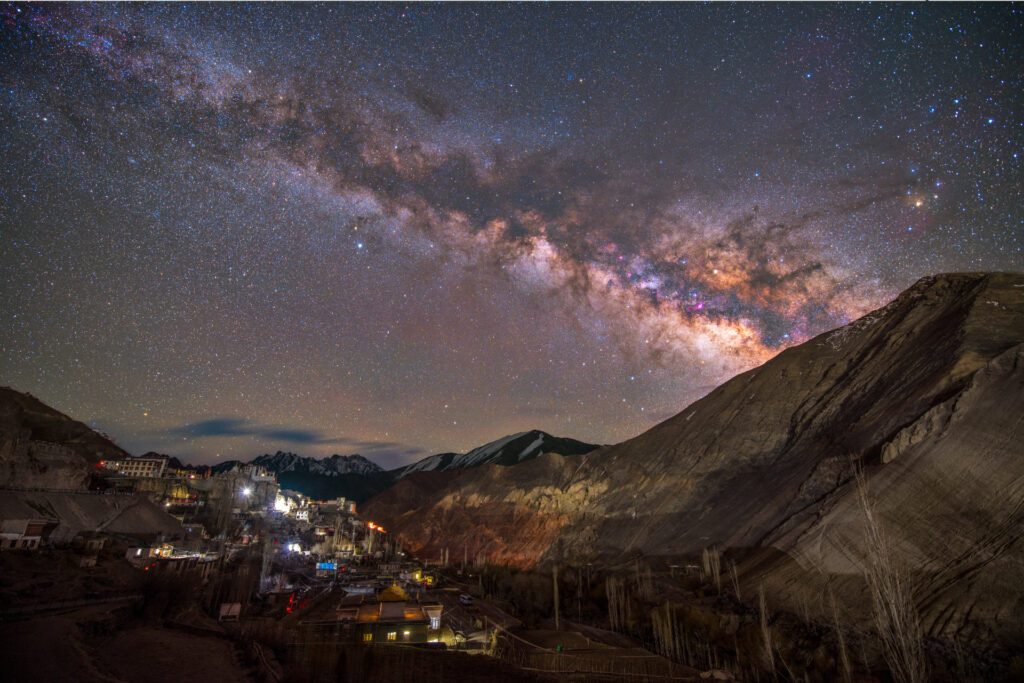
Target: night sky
399, 230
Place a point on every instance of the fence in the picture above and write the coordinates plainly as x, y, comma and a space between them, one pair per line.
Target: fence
607, 663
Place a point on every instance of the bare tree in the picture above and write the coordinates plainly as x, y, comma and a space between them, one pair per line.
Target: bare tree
844, 656
617, 603
896, 617
554, 586
712, 562
734, 573
766, 631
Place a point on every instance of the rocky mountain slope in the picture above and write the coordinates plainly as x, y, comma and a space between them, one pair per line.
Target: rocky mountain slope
509, 450
925, 394
43, 448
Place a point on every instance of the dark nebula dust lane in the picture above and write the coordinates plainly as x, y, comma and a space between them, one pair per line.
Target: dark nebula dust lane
395, 229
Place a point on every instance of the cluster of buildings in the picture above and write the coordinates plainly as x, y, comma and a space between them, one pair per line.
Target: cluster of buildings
168, 559
324, 536
167, 519
369, 592
192, 494
82, 521
142, 499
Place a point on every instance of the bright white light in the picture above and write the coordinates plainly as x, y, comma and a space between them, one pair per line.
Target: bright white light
246, 491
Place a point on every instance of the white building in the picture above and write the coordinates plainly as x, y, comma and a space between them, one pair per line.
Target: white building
137, 467
21, 526
21, 534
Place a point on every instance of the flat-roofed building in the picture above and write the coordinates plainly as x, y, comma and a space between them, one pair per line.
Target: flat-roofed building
137, 467
22, 526
22, 534
389, 617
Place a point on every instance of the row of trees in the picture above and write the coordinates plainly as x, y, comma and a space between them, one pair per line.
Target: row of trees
748, 637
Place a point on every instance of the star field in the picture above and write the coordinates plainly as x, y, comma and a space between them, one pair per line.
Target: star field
398, 230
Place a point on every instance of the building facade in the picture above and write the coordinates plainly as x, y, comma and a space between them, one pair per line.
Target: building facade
390, 617
137, 467
22, 534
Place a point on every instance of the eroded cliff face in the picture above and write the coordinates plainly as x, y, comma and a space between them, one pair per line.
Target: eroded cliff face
924, 394
25, 463
506, 515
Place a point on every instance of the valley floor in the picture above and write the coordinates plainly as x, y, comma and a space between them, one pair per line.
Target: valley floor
67, 647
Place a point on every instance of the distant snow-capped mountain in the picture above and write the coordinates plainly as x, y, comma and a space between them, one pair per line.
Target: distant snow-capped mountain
508, 450
333, 466
351, 476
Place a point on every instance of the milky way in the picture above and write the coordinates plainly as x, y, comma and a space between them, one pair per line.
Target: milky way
394, 229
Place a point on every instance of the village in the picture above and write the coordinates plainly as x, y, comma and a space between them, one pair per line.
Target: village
230, 555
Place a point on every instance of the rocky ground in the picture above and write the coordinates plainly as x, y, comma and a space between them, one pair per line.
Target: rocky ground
95, 644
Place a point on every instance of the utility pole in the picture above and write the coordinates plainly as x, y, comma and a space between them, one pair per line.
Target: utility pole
268, 556
554, 577
579, 594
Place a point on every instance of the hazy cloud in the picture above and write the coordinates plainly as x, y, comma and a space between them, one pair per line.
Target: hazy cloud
230, 427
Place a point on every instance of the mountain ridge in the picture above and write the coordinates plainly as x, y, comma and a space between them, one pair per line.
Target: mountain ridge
356, 477
508, 450
40, 447
331, 466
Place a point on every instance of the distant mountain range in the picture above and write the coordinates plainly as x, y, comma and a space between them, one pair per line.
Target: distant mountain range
357, 478
351, 476
27, 425
285, 463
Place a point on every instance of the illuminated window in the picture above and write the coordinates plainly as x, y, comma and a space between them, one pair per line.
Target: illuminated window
367, 637
392, 635
435, 623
